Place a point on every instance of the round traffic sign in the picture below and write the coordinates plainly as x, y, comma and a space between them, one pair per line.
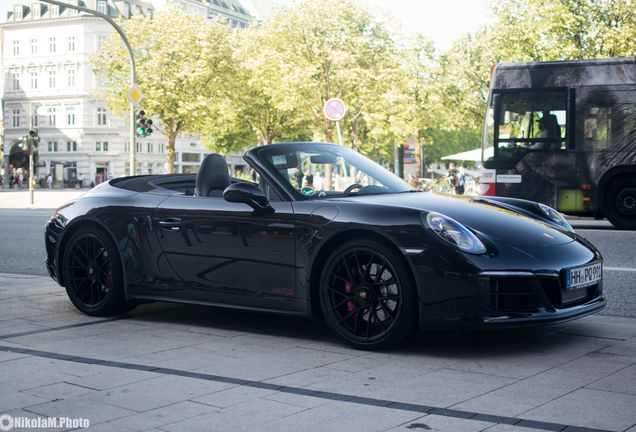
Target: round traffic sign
334, 109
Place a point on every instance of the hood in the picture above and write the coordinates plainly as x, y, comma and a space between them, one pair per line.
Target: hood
491, 221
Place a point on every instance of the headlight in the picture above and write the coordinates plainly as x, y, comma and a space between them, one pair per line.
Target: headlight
556, 217
455, 233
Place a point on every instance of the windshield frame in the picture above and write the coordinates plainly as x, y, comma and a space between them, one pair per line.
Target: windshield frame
261, 156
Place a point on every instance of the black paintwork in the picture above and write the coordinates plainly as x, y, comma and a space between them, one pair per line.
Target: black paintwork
178, 247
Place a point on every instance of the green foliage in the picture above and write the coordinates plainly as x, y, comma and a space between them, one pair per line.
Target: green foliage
182, 61
268, 83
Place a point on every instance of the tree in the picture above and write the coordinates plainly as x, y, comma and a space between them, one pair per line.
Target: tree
183, 63
329, 48
251, 113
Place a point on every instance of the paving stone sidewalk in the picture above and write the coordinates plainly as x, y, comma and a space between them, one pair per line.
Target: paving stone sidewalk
167, 367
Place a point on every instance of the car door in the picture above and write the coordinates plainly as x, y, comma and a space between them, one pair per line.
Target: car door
223, 252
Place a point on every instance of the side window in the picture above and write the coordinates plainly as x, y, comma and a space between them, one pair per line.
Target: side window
608, 119
532, 120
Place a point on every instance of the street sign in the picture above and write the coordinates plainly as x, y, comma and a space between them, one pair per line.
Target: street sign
334, 109
135, 95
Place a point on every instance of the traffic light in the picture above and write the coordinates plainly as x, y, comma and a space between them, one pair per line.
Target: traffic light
34, 139
143, 128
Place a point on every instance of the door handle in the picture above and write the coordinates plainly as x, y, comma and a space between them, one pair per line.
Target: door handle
170, 224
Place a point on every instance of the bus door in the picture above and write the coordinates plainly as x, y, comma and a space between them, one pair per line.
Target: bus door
533, 156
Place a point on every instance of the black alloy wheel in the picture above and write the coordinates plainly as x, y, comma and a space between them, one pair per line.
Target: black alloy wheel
620, 207
367, 296
92, 273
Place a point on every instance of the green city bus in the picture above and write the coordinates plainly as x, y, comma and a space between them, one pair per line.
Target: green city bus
563, 133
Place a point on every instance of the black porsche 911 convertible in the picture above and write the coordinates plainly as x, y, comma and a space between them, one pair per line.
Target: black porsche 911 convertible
322, 230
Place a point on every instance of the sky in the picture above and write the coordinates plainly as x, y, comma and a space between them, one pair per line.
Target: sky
442, 21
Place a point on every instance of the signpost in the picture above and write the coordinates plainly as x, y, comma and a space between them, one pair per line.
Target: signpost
135, 95
335, 110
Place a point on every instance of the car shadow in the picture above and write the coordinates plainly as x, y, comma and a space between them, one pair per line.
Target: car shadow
307, 330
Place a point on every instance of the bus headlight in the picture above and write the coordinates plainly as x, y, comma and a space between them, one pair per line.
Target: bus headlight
454, 233
556, 217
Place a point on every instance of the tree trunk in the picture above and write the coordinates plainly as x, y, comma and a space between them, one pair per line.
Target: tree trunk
170, 150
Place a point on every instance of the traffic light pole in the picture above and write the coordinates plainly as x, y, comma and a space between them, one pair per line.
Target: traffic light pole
133, 73
31, 162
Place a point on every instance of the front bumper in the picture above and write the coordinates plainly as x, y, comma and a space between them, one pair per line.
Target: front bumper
508, 298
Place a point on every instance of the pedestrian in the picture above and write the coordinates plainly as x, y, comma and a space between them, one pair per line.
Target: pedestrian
20, 180
309, 179
298, 177
461, 182
80, 180
49, 180
453, 177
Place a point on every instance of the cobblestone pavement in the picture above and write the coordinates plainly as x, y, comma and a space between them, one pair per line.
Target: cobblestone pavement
166, 367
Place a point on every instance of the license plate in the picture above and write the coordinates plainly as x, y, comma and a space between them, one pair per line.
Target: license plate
581, 277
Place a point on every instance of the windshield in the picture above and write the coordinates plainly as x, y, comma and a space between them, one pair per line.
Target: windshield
324, 170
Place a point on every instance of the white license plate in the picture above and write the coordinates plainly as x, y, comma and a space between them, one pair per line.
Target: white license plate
581, 277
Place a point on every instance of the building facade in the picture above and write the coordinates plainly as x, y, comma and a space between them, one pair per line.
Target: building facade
49, 87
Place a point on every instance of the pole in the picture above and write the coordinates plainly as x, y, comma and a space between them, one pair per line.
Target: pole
31, 167
133, 73
339, 133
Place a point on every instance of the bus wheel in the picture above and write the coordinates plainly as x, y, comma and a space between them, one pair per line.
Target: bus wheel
620, 207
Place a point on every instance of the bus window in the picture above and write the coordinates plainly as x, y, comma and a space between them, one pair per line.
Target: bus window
532, 121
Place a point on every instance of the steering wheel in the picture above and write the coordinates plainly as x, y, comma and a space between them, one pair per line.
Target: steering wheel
352, 187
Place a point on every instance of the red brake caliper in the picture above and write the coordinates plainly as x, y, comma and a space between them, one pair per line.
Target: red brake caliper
351, 305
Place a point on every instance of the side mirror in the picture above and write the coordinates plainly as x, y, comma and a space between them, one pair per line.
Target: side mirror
249, 194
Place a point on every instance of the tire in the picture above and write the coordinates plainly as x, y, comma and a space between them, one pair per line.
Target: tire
367, 295
620, 205
92, 273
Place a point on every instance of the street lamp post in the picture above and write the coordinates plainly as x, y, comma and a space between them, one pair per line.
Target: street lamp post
133, 76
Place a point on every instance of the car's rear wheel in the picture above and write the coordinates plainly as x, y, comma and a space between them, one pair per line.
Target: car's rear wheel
367, 296
92, 273
620, 207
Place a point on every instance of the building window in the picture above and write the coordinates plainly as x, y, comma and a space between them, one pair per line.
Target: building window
100, 41
15, 80
34, 118
126, 10
52, 146
54, 10
71, 146
102, 7
52, 116
190, 157
19, 12
34, 46
70, 118
52, 44
33, 79
101, 146
16, 118
16, 47
138, 10
150, 147
126, 147
70, 78
149, 13
36, 10
138, 147
52, 76
101, 116
71, 43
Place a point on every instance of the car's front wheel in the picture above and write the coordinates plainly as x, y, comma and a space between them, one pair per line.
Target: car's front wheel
92, 273
367, 296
